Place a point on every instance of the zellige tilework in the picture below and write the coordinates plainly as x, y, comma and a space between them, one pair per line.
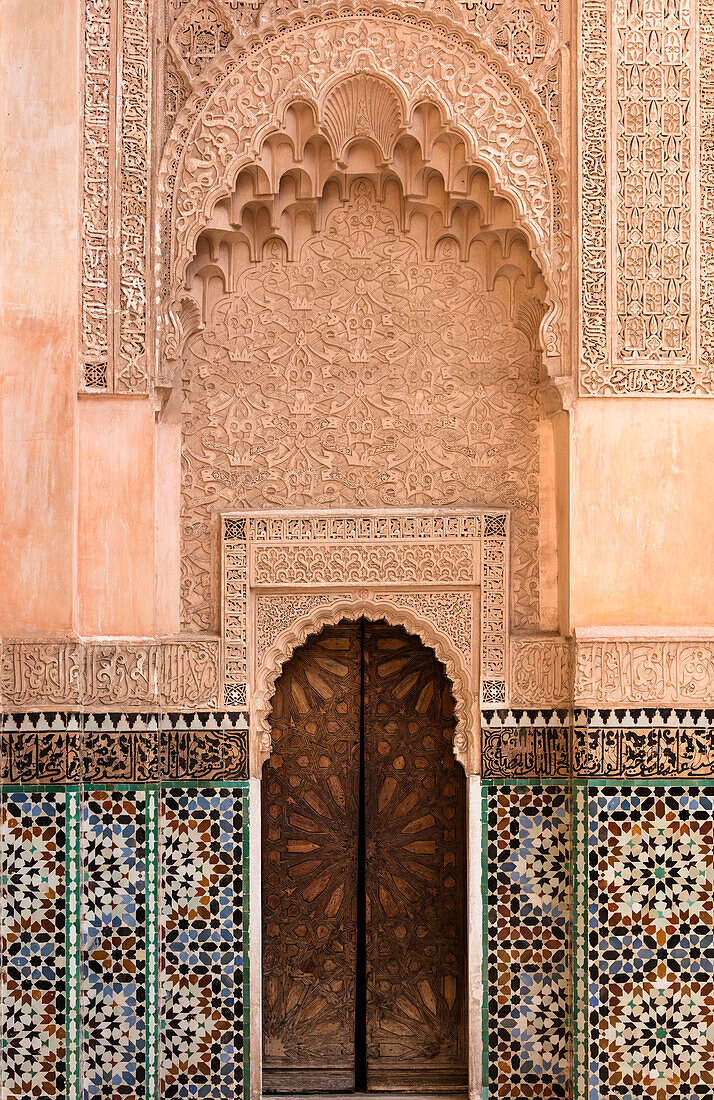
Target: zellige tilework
526, 906
34, 933
114, 947
651, 942
203, 943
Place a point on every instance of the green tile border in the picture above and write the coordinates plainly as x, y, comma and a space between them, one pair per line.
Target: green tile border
246, 940
73, 937
153, 941
485, 785
579, 879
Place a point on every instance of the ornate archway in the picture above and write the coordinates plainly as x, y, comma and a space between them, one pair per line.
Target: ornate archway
466, 733
396, 76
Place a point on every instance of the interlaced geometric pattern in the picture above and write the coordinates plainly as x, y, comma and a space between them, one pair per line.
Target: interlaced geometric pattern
114, 949
651, 942
34, 1039
526, 905
203, 945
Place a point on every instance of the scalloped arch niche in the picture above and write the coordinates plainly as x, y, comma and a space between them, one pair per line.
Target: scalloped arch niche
360, 326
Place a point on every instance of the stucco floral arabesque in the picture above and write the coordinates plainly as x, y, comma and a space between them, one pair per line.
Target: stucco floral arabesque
115, 197
361, 374
646, 153
424, 54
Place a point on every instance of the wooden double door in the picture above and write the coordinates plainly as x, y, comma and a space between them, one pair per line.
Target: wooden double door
364, 870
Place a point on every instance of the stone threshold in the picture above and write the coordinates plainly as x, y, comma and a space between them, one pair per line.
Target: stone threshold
365, 1096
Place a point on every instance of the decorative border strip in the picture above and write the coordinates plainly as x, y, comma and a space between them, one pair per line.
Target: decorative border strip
525, 743
96, 186
131, 374
664, 671
301, 543
579, 879
175, 675
592, 117
41, 748
602, 123
644, 744
115, 196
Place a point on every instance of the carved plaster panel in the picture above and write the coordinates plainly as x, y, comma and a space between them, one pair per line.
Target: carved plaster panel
115, 197
646, 271
177, 675
638, 743
250, 91
525, 743
276, 613
541, 672
363, 373
648, 672
285, 575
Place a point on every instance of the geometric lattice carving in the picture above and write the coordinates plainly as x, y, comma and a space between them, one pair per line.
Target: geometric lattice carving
646, 260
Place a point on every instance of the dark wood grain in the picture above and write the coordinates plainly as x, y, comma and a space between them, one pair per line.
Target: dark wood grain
416, 870
310, 808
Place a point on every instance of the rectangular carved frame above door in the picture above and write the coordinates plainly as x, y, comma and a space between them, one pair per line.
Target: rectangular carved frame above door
282, 571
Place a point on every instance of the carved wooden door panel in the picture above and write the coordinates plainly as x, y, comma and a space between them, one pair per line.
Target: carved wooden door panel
415, 799
309, 835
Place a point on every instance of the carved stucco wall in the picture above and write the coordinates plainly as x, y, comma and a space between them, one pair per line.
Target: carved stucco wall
361, 374
529, 34
647, 265
643, 132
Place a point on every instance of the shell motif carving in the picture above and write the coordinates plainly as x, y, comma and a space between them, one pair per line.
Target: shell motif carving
235, 120
362, 106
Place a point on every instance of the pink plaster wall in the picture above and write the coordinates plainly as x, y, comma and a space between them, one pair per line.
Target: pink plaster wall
642, 518
39, 146
168, 516
116, 516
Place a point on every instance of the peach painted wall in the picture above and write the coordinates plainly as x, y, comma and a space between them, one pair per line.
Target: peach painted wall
39, 147
642, 520
116, 516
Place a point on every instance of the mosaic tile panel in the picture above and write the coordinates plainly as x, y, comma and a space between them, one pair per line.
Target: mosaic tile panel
651, 942
34, 934
527, 934
115, 825
203, 943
